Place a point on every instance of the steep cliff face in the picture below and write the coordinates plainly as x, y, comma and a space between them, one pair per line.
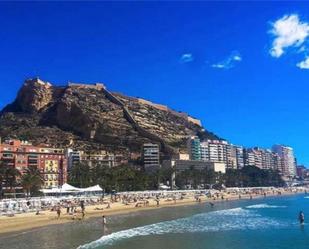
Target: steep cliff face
87, 117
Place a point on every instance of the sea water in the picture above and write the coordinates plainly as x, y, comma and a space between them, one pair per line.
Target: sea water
265, 223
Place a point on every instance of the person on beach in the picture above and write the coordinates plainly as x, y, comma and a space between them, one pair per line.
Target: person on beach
82, 205
158, 202
68, 208
83, 214
58, 210
301, 217
104, 220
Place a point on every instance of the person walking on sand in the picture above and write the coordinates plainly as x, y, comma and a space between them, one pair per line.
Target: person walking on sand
58, 210
82, 205
158, 202
83, 213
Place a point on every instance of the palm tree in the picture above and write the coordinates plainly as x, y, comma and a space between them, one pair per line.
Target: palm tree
32, 180
8, 176
11, 175
80, 175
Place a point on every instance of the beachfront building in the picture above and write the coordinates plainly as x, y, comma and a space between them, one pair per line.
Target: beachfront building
249, 157
73, 157
151, 156
286, 154
194, 148
239, 156
301, 171
231, 156
182, 165
262, 158
204, 148
101, 158
50, 161
214, 151
217, 151
94, 158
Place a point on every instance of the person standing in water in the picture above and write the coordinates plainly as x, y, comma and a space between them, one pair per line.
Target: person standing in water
301, 217
104, 220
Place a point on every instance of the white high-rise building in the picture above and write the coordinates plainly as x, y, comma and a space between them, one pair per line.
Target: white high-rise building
231, 156
221, 151
204, 151
217, 151
240, 156
287, 159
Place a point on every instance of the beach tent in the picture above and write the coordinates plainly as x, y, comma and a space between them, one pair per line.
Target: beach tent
67, 189
93, 189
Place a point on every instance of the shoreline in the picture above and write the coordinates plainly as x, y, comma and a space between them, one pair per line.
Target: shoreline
30, 221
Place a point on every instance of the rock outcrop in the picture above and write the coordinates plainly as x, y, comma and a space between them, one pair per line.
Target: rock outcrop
90, 117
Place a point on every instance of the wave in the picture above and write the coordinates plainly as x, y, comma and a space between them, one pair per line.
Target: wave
222, 220
264, 205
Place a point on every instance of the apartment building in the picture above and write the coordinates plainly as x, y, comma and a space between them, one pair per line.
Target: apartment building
286, 154
239, 156
262, 158
151, 156
194, 148
51, 162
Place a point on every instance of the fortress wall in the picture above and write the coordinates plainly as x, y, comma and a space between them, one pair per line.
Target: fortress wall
97, 86
195, 121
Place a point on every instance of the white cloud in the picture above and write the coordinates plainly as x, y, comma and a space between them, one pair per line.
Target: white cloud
303, 64
228, 62
237, 58
186, 58
288, 31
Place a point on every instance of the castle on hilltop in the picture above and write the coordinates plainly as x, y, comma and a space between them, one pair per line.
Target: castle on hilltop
97, 86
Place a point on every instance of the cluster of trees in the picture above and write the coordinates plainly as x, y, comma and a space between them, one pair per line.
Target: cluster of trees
122, 178
129, 178
252, 176
249, 176
11, 178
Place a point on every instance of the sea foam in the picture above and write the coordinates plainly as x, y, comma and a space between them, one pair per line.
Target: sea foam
222, 220
264, 205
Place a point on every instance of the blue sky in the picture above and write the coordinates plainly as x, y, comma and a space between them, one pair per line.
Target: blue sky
241, 67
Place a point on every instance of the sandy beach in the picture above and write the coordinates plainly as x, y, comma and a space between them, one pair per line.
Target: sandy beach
25, 221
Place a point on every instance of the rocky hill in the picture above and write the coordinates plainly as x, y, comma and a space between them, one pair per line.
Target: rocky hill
89, 117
